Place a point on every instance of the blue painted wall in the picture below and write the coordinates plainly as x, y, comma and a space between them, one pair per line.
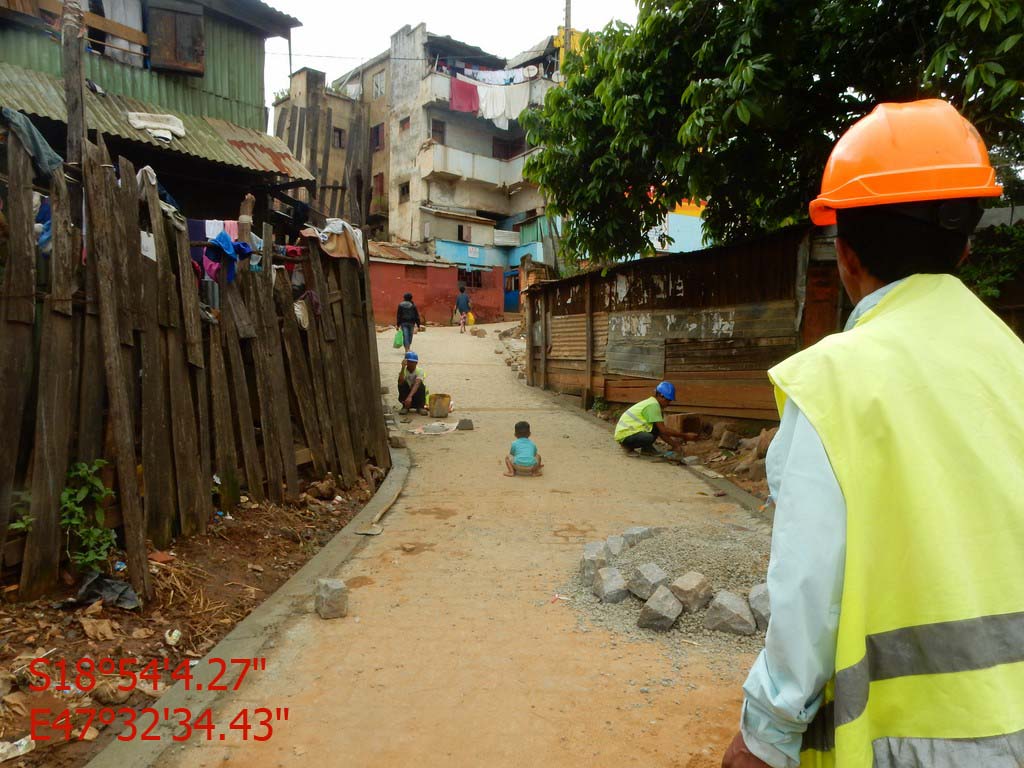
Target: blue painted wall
487, 256
474, 255
686, 231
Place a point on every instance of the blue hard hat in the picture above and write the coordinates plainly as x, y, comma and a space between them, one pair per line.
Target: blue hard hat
416, 358
666, 389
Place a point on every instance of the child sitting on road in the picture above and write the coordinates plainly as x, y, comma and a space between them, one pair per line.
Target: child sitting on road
523, 458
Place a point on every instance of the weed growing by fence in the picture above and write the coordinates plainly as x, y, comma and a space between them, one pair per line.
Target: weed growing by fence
82, 517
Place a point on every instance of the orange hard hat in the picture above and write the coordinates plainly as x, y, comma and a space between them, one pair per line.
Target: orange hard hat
905, 153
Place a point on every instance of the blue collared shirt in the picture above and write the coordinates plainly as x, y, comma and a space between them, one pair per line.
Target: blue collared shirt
805, 583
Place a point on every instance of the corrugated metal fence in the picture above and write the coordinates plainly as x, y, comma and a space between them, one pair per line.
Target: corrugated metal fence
712, 322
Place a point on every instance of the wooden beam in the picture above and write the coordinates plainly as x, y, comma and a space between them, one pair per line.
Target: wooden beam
378, 424
225, 455
100, 184
275, 366
349, 362
129, 215
302, 382
201, 397
242, 404
545, 325
15, 334
270, 427
184, 439
72, 69
53, 409
99, 22
244, 325
189, 298
157, 469
265, 334
340, 461
527, 298
338, 362
316, 281
588, 394
125, 259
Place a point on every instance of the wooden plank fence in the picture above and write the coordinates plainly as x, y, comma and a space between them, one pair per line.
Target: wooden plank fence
118, 359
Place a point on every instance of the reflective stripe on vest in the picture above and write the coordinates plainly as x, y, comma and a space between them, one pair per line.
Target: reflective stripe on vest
920, 411
631, 422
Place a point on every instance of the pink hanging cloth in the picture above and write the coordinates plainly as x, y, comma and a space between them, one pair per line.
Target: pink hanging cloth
464, 97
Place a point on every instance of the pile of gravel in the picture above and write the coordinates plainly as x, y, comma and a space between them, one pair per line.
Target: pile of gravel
730, 556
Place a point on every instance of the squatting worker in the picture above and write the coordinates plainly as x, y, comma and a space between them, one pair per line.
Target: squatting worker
408, 320
412, 385
643, 423
897, 629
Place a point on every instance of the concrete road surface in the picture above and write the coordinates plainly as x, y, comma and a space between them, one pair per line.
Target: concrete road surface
453, 653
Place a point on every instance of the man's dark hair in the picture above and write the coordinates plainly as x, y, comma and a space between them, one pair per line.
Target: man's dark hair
522, 429
408, 297
896, 241
462, 289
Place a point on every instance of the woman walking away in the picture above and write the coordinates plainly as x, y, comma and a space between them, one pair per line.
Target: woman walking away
408, 320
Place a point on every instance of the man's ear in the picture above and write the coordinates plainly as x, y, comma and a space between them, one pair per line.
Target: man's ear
849, 262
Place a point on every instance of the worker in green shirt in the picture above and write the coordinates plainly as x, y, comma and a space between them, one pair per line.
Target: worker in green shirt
644, 423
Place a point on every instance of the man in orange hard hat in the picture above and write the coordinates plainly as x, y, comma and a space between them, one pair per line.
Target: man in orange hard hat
896, 578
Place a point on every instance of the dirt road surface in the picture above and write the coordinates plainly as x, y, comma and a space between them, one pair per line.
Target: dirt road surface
454, 652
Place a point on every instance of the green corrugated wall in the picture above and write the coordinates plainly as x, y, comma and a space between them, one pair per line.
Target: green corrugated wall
231, 88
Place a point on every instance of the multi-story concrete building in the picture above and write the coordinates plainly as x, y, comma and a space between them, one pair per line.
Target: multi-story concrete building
451, 177
432, 163
433, 154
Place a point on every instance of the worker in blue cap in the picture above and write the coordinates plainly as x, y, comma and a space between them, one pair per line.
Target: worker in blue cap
644, 423
412, 385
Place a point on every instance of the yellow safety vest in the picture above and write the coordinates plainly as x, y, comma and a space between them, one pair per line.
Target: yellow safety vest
632, 422
920, 408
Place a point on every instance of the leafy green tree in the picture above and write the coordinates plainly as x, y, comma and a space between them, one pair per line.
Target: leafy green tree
739, 102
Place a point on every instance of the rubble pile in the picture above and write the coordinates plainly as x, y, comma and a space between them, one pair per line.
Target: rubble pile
609, 571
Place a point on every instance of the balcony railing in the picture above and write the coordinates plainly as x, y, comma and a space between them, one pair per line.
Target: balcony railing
436, 89
447, 163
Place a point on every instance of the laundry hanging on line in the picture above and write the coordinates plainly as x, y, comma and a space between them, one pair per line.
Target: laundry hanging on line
464, 96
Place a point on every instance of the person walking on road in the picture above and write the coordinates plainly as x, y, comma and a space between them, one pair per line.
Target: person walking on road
412, 385
463, 305
408, 320
897, 630
643, 423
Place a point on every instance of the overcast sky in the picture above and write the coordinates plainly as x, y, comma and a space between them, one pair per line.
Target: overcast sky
335, 37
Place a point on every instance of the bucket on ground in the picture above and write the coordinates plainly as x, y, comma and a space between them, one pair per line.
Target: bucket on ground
440, 406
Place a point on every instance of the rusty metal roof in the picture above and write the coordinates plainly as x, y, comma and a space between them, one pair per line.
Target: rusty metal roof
457, 48
261, 15
218, 141
394, 252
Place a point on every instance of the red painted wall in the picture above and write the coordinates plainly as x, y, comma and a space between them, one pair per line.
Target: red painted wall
433, 291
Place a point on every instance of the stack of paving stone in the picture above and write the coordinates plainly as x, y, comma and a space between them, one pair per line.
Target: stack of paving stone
665, 598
